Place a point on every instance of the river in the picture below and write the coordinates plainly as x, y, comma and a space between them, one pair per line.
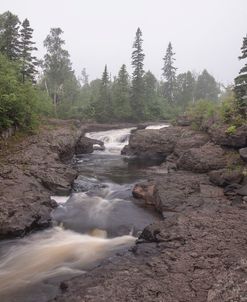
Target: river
97, 220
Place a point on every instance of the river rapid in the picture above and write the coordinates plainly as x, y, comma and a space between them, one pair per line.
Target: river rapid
98, 219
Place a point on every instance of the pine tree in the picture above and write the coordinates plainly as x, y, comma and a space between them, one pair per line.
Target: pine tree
137, 77
9, 35
240, 88
185, 89
169, 74
28, 62
84, 77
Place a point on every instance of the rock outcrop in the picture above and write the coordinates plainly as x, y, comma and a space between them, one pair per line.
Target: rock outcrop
36, 169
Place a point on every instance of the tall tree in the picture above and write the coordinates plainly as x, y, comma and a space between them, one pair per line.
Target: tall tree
152, 105
185, 88
206, 87
121, 95
137, 77
103, 106
241, 81
169, 74
57, 65
84, 77
28, 61
9, 35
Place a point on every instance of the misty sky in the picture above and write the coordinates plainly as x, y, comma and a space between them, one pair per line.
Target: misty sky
204, 33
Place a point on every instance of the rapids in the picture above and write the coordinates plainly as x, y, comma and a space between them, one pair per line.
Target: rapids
99, 218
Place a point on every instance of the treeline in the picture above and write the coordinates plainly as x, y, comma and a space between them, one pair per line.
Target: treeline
30, 87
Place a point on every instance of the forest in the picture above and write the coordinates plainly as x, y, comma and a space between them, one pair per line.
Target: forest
32, 88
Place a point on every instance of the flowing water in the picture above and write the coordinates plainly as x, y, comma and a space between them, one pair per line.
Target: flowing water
99, 218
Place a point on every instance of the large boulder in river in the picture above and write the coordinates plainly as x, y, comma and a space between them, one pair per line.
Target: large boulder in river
85, 145
208, 157
237, 138
153, 144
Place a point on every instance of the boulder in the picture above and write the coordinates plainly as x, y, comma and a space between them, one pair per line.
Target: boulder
208, 157
144, 191
152, 144
86, 145
243, 154
190, 139
237, 139
224, 177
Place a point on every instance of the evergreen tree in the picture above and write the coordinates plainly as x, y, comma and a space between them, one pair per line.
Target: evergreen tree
9, 35
28, 62
185, 89
169, 74
152, 106
121, 95
206, 87
103, 106
84, 77
137, 78
57, 65
241, 81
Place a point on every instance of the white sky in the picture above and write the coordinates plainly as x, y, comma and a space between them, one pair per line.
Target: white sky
204, 33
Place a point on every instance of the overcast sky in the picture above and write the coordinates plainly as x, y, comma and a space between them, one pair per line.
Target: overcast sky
204, 33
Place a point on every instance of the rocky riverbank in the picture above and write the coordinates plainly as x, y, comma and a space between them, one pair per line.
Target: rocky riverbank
35, 167
198, 252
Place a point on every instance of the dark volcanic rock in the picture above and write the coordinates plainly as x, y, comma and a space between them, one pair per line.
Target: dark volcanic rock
196, 257
144, 191
190, 139
183, 120
242, 191
208, 157
243, 153
152, 143
225, 177
31, 174
237, 140
85, 145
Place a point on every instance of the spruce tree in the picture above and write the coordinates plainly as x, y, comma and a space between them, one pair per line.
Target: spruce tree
137, 102
240, 88
9, 35
121, 95
103, 106
28, 62
169, 74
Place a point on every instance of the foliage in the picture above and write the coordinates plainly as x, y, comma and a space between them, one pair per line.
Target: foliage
206, 87
28, 61
241, 83
231, 129
169, 74
137, 78
20, 103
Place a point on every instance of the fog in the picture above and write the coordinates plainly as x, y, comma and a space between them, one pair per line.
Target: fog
204, 34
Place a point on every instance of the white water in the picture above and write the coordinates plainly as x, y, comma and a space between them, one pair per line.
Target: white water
157, 126
52, 253
114, 140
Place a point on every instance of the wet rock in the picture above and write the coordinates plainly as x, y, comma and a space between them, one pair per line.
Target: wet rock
208, 157
237, 139
243, 153
85, 145
85, 184
152, 143
225, 177
144, 191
